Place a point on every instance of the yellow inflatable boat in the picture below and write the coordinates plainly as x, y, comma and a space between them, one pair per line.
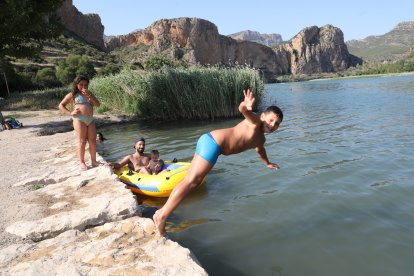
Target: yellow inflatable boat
160, 185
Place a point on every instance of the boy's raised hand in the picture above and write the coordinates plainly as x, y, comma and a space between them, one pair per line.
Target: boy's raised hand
248, 99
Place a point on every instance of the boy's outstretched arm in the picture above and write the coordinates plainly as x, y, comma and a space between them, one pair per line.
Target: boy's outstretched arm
246, 107
263, 155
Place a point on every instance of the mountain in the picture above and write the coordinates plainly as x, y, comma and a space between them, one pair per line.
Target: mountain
316, 50
390, 46
197, 41
192, 41
86, 27
265, 39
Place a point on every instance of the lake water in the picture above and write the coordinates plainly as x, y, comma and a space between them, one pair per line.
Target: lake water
341, 204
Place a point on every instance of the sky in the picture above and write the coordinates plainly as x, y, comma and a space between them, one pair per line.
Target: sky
356, 18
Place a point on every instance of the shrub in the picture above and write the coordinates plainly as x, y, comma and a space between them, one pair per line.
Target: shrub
73, 66
157, 62
46, 77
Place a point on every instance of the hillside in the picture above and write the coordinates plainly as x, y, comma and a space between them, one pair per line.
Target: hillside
388, 47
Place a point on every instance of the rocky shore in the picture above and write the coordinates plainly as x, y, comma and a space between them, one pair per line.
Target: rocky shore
57, 220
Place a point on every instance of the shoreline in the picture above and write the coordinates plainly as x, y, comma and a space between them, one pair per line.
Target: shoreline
51, 213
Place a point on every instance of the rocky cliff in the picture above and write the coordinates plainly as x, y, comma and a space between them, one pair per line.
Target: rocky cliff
194, 40
87, 27
265, 39
316, 50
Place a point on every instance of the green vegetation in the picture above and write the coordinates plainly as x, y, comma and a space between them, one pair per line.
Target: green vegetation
46, 77
157, 62
388, 47
23, 27
35, 100
40, 71
399, 66
172, 93
37, 186
72, 66
166, 94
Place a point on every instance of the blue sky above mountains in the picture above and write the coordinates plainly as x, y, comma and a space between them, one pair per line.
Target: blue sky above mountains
357, 19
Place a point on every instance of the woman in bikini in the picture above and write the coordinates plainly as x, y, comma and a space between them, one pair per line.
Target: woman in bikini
82, 115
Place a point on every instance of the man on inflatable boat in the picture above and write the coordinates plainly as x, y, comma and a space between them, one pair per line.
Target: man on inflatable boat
248, 134
136, 161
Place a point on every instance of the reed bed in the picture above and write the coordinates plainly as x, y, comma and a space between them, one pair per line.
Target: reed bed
173, 93
167, 94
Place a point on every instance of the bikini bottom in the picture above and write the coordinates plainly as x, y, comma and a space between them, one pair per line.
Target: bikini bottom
87, 120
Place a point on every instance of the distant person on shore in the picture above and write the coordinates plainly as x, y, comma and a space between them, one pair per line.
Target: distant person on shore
136, 161
99, 137
155, 164
4, 124
247, 134
82, 116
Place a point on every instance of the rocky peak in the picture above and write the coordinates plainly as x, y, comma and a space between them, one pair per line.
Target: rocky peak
316, 50
265, 39
88, 27
165, 33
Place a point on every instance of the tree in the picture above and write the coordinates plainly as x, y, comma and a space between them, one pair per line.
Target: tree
109, 69
24, 25
157, 62
46, 77
73, 66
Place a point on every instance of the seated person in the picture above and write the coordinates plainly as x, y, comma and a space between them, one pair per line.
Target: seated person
3, 122
138, 161
155, 165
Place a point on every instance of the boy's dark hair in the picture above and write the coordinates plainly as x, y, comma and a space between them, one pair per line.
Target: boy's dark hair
276, 110
77, 80
155, 152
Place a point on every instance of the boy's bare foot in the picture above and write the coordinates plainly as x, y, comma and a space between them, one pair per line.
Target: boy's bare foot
83, 167
159, 223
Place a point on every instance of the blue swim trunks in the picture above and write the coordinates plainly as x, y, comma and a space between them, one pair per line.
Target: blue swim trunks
208, 148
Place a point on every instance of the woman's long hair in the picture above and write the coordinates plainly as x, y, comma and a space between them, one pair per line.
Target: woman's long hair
76, 81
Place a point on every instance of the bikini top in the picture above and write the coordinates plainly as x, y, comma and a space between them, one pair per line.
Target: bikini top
79, 99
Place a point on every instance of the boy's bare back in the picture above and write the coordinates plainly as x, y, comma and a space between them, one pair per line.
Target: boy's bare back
245, 135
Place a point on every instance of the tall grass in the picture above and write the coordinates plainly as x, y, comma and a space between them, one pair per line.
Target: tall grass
169, 94
172, 93
36, 99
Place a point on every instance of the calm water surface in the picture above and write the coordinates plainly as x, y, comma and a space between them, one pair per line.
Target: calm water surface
341, 204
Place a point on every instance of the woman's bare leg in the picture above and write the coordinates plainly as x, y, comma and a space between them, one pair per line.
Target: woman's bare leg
199, 168
81, 131
92, 143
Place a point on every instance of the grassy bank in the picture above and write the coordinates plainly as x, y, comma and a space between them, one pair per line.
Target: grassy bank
34, 100
168, 94
171, 94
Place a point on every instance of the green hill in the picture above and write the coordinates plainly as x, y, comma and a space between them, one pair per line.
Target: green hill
388, 47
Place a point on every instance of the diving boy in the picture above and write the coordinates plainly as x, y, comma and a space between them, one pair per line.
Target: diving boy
247, 134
